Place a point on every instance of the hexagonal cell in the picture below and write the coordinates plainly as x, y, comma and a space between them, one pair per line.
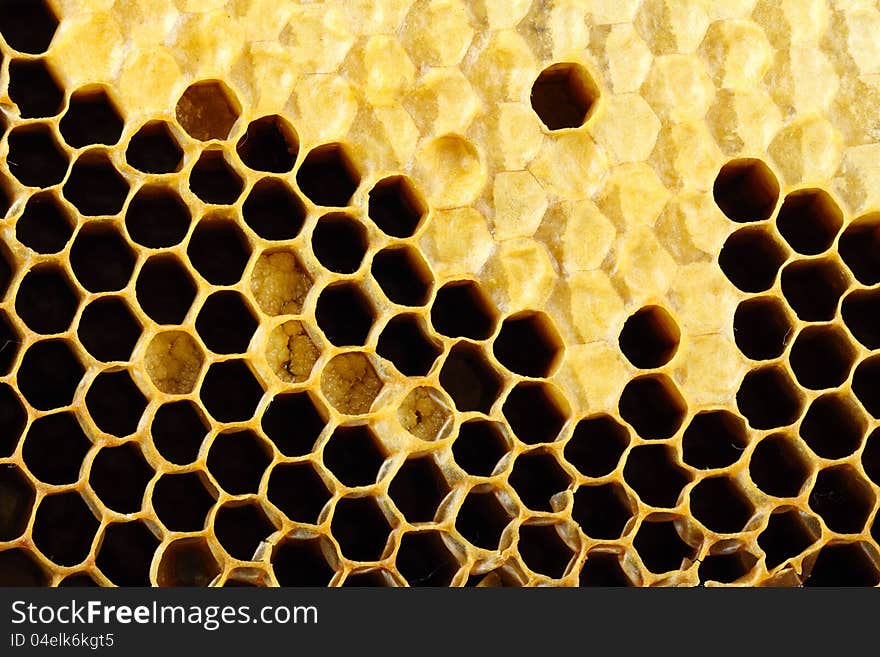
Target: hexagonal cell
395, 206
403, 275
350, 383
859, 311
714, 439
423, 559
778, 467
207, 110
64, 528
602, 511
843, 499
94, 186
181, 501
35, 158
354, 455
219, 251
788, 534
344, 314
165, 290
49, 374
280, 283
178, 430
339, 241
482, 519
328, 176
20, 568
418, 488
768, 398
54, 448
543, 551
269, 144
844, 564
746, 190
564, 96
479, 446
660, 546
536, 412
18, 500
426, 413
101, 259
6, 271
119, 476
298, 491
461, 310
858, 248
157, 217
866, 385
230, 392
115, 403
238, 460
603, 569
360, 528
44, 225
470, 379
751, 258
653, 406
721, 505
809, 220
45, 300
528, 344
726, 568
833, 426
9, 344
649, 337
871, 456
651, 471
187, 562
91, 118
406, 343
762, 328
596, 445
225, 323
32, 86
108, 330
291, 352
536, 477
126, 553
174, 362
214, 180
153, 149
302, 562
273, 210
813, 288
28, 26
822, 357
240, 528
12, 419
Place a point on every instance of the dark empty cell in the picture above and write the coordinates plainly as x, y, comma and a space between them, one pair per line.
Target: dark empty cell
726, 568
64, 528
101, 259
564, 95
328, 176
821, 357
653, 406
157, 217
460, 309
418, 488
404, 341
187, 562
49, 374
219, 251
91, 118
293, 423
33, 88
834, 426
861, 311
238, 460
45, 300
225, 323
35, 158
395, 207
94, 185
9, 346
78, 579
602, 511
178, 430
649, 337
536, 477
654, 475
214, 180
746, 190
119, 476
301, 562
108, 330
165, 291
660, 547
344, 314
778, 467
424, 559
115, 403
126, 553
482, 519
44, 225
844, 564
714, 439
153, 149
27, 25
528, 344
787, 535
603, 569
12, 420
543, 551
866, 385
813, 289
470, 379
207, 110
596, 445
182, 502
843, 499
20, 568
403, 276
859, 247
273, 211
354, 455
721, 505
270, 144
298, 491
479, 446
751, 258
360, 528
762, 328
241, 528
54, 448
871, 456
369, 579
536, 412
769, 399
809, 220
339, 241
17, 494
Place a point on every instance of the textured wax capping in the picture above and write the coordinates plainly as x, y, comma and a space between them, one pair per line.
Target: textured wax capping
439, 293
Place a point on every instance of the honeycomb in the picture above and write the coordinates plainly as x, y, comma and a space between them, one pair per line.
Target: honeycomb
439, 292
